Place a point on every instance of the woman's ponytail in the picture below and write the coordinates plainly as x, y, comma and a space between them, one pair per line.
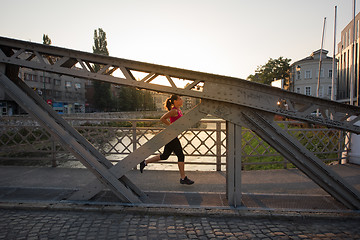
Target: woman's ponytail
170, 101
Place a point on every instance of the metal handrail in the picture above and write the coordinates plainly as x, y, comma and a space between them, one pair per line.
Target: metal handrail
210, 144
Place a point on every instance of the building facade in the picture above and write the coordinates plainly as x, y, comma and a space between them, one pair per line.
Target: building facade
64, 93
345, 66
305, 75
8, 107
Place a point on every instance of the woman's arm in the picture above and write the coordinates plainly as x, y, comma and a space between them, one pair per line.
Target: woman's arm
166, 116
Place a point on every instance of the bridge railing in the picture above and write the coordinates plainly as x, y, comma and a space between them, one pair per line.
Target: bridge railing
24, 141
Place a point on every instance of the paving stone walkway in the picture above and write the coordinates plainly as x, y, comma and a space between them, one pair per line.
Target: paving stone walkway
46, 224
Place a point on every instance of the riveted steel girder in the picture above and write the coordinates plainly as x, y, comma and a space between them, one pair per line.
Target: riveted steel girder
250, 104
70, 138
264, 126
200, 85
147, 149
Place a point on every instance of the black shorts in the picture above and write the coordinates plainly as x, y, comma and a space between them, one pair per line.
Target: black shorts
173, 146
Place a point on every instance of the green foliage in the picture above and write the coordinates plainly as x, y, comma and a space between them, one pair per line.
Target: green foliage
131, 99
22, 136
321, 143
100, 43
46, 39
273, 69
102, 95
253, 145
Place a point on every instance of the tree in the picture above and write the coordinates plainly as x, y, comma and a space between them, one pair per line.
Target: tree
102, 95
46, 39
100, 43
129, 99
273, 69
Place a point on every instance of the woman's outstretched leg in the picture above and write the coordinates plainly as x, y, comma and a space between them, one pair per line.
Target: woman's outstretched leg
144, 163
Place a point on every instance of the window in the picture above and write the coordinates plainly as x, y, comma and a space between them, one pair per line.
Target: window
349, 37
307, 74
69, 95
330, 73
3, 111
308, 91
329, 90
57, 94
68, 84
30, 77
77, 85
45, 79
298, 75
345, 40
298, 90
88, 83
321, 88
26, 77
48, 92
57, 82
321, 73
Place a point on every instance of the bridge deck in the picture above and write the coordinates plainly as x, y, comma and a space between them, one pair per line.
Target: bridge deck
239, 102
271, 189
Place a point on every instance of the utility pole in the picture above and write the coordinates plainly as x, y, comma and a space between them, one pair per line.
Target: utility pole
322, 43
334, 62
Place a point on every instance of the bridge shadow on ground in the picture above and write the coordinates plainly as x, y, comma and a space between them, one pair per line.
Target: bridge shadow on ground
274, 189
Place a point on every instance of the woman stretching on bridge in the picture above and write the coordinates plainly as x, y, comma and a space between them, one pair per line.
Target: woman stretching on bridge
173, 105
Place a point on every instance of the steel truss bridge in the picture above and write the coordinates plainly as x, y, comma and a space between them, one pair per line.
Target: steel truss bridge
239, 102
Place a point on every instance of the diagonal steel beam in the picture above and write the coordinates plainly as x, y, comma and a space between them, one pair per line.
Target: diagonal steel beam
62, 133
223, 90
79, 138
264, 126
215, 87
143, 152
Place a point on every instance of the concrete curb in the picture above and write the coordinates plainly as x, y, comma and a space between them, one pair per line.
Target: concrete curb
241, 212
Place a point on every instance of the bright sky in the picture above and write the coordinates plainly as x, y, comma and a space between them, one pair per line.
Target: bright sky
226, 37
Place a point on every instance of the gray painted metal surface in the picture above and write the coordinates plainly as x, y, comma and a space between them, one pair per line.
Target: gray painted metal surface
290, 148
63, 132
233, 164
236, 100
214, 87
134, 158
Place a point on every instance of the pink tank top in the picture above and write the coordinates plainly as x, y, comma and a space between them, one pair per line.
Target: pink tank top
173, 119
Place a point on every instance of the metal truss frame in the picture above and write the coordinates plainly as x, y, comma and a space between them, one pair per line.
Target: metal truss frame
70, 139
200, 85
136, 157
265, 127
240, 102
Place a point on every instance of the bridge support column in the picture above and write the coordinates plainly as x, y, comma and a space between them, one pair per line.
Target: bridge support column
233, 164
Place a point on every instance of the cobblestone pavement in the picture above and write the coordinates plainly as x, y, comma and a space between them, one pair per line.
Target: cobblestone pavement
45, 224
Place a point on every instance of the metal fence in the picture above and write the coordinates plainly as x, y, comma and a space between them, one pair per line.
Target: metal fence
22, 139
